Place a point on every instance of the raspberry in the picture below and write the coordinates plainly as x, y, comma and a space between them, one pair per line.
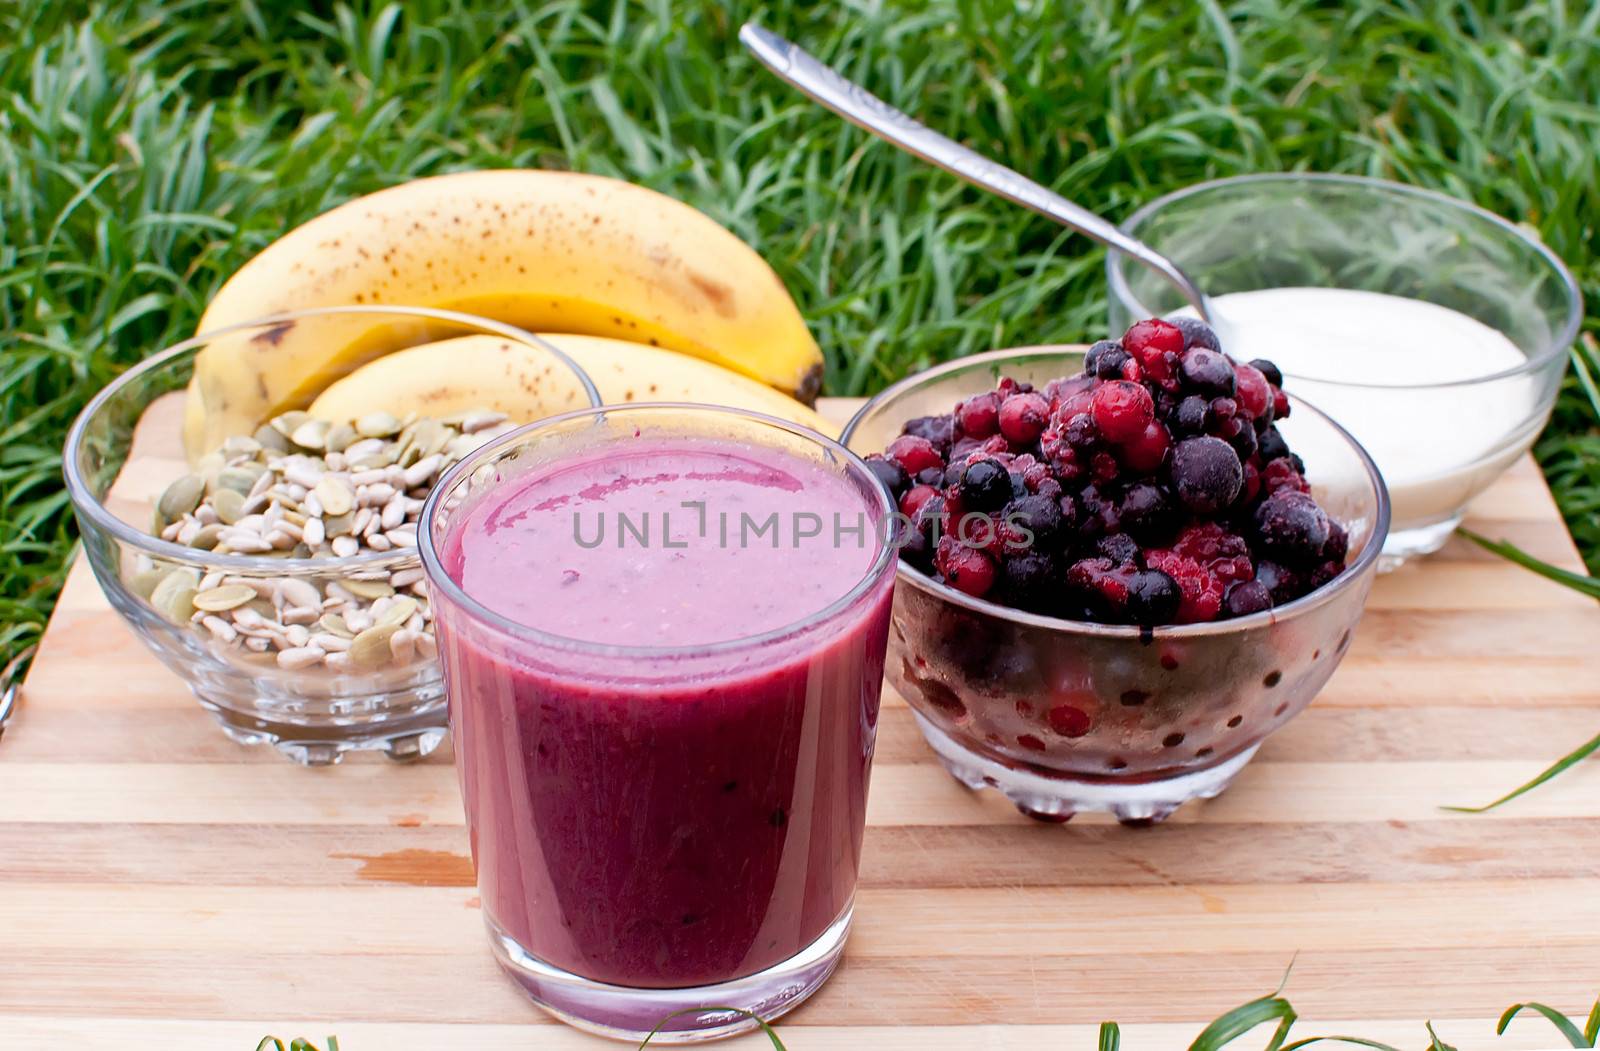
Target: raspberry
1146, 453
1253, 393
1155, 344
1280, 474
914, 453
979, 415
1224, 554
995, 444
1023, 417
964, 568
1200, 589
1122, 410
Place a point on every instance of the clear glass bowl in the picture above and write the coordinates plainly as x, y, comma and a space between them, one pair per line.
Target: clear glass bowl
392, 702
735, 771
1438, 444
1172, 714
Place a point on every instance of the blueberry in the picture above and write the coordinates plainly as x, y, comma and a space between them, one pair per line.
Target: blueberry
1091, 360
1271, 443
1269, 370
1041, 516
1108, 366
1282, 583
1291, 527
1247, 597
1241, 434
1147, 513
1096, 514
937, 429
933, 476
1119, 548
1153, 598
1207, 474
889, 474
1338, 545
985, 486
1196, 333
1029, 580
929, 519
1193, 415
1207, 372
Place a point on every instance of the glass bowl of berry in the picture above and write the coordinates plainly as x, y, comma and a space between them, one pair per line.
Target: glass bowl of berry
1121, 569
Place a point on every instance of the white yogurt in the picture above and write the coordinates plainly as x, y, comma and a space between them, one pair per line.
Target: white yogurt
1436, 448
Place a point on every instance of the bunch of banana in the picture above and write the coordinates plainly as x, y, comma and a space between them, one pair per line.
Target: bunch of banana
503, 375
545, 251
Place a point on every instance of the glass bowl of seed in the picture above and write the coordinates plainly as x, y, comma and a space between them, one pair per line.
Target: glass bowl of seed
276, 571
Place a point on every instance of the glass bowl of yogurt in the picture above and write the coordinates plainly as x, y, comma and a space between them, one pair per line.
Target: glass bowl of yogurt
1434, 331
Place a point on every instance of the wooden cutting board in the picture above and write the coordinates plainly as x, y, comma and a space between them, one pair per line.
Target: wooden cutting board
160, 886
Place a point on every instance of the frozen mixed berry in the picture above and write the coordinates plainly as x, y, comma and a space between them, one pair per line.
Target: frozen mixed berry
985, 486
1192, 416
1270, 443
979, 415
938, 430
1207, 372
1147, 513
1268, 370
1252, 392
1196, 333
1153, 488
1122, 410
964, 568
1146, 453
1041, 516
1291, 527
889, 474
1206, 474
1153, 598
914, 453
1023, 417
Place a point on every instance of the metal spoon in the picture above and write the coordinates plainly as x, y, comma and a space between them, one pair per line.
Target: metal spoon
864, 109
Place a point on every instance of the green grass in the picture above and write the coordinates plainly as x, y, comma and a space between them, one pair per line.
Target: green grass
150, 148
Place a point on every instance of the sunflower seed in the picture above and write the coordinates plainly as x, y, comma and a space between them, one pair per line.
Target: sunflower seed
345, 546
328, 642
219, 627
296, 592
423, 470
314, 532
402, 645
299, 657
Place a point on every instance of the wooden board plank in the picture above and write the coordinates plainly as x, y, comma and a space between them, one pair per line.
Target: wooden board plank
160, 885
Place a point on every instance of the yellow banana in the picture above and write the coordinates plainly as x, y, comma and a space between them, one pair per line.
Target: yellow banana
546, 250
472, 372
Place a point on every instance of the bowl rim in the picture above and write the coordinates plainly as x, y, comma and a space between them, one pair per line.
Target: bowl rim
1353, 572
441, 582
1559, 345
86, 504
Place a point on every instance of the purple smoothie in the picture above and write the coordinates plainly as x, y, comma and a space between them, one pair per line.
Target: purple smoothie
689, 816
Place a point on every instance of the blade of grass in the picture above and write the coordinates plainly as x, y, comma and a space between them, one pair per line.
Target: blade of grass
1110, 1036
1435, 1043
1567, 761
1570, 1031
772, 1034
1243, 1019
1584, 585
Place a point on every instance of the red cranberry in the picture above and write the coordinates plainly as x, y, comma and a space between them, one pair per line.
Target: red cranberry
915, 497
914, 453
1023, 417
1146, 453
1069, 721
1122, 410
1253, 393
979, 415
995, 444
1153, 337
1280, 405
1073, 404
964, 568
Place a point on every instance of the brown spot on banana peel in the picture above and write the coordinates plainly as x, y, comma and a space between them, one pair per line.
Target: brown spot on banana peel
720, 295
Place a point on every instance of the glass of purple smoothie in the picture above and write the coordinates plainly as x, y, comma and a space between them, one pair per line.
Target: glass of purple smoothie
663, 631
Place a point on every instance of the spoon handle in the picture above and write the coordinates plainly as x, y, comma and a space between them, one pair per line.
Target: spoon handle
864, 109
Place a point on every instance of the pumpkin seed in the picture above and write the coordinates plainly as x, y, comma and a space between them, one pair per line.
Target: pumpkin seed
241, 478
174, 596
399, 611
181, 497
334, 624
370, 649
286, 423
369, 589
207, 537
270, 439
228, 596
144, 582
337, 525
228, 504
339, 438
